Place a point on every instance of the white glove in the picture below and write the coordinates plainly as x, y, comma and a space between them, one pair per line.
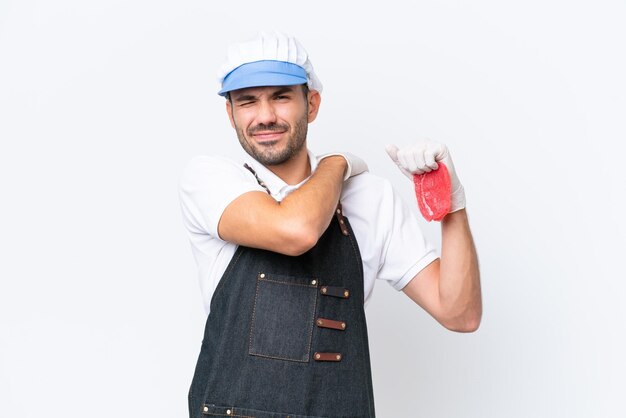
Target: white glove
422, 158
356, 165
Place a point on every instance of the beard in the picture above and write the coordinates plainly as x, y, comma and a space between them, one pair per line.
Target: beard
268, 155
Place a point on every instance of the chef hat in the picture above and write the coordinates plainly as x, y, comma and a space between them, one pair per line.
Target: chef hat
271, 59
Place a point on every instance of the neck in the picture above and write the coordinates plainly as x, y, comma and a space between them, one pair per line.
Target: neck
295, 170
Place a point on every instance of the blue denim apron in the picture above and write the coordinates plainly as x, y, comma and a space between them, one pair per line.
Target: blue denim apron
286, 336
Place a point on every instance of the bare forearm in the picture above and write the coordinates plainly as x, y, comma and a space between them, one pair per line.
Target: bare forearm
459, 285
312, 206
292, 226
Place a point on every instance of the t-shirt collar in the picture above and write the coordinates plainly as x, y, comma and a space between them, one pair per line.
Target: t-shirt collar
278, 188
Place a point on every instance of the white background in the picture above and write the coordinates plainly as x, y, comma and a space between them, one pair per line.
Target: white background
102, 103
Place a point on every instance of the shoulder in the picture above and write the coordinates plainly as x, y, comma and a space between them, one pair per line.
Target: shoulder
367, 186
211, 169
369, 199
211, 163
207, 186
375, 201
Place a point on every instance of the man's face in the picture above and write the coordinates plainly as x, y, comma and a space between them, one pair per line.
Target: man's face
271, 122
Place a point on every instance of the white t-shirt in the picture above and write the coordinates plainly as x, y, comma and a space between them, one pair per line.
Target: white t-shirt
392, 245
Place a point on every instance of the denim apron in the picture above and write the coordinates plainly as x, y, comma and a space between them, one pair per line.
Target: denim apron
286, 336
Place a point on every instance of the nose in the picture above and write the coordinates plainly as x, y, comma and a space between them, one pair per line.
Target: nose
266, 113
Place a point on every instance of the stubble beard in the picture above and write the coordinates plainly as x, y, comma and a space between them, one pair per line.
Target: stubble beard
267, 155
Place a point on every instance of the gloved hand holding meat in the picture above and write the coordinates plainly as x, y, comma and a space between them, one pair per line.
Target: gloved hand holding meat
429, 165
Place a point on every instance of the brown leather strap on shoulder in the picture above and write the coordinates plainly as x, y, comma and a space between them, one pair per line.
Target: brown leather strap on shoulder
261, 182
342, 220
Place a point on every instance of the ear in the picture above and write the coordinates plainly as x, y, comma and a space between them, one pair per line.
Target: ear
314, 98
229, 110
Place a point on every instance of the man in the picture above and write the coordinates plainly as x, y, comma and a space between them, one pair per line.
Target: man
289, 246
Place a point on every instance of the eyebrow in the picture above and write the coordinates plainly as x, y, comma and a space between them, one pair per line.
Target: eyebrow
249, 97
286, 89
245, 98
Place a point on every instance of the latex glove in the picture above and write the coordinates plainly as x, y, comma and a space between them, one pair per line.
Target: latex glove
421, 158
356, 165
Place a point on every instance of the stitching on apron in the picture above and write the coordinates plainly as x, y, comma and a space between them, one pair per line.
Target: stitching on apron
256, 295
287, 283
308, 353
283, 358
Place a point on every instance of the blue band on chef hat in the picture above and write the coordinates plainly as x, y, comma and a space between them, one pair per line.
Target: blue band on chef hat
263, 73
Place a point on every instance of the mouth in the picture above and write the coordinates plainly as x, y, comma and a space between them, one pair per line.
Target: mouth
267, 137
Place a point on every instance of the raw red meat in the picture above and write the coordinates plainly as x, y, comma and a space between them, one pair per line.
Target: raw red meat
433, 193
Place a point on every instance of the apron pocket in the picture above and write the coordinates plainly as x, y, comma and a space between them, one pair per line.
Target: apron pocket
283, 317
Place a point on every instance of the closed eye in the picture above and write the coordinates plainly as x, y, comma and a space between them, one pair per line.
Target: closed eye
245, 103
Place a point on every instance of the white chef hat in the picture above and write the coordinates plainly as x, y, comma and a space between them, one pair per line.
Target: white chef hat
271, 59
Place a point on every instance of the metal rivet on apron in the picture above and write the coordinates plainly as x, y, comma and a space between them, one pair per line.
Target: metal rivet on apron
338, 356
320, 322
343, 325
262, 275
324, 289
317, 356
205, 409
313, 282
228, 412
346, 293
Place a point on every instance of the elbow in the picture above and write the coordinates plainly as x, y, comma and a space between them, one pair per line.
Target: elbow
299, 239
468, 326
466, 323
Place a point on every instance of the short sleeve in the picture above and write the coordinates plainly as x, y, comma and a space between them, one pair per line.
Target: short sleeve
207, 186
406, 251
